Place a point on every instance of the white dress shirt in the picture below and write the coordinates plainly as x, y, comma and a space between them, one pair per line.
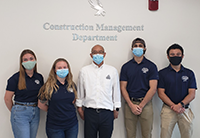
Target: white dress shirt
98, 87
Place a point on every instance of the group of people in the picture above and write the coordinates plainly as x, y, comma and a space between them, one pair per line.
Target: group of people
97, 96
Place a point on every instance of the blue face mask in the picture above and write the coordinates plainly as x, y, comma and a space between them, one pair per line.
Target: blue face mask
62, 73
98, 58
138, 51
29, 65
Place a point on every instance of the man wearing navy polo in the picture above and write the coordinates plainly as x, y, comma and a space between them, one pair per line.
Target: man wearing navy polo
176, 88
138, 82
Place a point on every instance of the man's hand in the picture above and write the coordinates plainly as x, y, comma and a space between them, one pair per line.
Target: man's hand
116, 113
135, 109
81, 112
178, 108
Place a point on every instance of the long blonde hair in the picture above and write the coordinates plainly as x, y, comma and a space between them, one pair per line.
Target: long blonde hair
22, 81
50, 85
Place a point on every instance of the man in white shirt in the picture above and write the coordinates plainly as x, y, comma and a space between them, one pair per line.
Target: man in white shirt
99, 93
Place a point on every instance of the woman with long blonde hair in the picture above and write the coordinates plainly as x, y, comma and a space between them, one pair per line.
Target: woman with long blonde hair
57, 97
24, 86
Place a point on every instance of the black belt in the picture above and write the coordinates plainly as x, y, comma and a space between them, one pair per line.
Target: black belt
33, 105
136, 99
186, 106
98, 110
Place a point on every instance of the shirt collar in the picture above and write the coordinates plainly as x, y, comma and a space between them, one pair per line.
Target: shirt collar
182, 68
26, 76
59, 84
95, 66
143, 60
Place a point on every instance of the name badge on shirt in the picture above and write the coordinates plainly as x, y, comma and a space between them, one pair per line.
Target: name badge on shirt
37, 81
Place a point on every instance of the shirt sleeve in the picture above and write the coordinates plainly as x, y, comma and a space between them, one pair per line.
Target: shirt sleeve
42, 83
123, 76
116, 91
80, 90
154, 73
161, 81
12, 84
192, 81
42, 80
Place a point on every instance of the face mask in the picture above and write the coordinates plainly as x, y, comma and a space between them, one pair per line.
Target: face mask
175, 60
138, 51
29, 65
98, 58
62, 73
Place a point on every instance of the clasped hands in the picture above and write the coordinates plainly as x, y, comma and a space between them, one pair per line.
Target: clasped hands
136, 109
178, 108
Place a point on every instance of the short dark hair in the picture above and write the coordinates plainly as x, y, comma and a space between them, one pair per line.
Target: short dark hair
175, 46
138, 40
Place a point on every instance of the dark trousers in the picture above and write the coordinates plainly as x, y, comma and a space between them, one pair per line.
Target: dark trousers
98, 121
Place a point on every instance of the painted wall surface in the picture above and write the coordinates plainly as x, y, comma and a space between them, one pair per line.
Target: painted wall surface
50, 28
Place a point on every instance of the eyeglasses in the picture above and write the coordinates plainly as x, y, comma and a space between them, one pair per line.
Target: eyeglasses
98, 52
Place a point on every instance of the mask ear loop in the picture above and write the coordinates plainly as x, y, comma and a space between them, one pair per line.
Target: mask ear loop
144, 52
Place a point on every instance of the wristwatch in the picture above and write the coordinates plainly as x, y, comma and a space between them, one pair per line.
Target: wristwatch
117, 109
183, 105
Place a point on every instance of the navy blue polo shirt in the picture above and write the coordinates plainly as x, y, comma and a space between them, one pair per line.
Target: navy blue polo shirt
61, 112
33, 85
138, 76
176, 84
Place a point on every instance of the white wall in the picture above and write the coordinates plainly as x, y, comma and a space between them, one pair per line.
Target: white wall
21, 26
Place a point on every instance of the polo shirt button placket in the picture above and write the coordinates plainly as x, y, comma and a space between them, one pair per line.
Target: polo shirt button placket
65, 90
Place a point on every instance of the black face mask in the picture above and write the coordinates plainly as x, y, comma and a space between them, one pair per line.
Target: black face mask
175, 60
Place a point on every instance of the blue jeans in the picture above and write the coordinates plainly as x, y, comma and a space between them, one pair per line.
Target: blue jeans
25, 120
63, 133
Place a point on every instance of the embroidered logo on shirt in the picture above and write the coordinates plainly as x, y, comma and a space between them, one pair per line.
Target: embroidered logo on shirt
108, 77
145, 70
37, 81
185, 78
